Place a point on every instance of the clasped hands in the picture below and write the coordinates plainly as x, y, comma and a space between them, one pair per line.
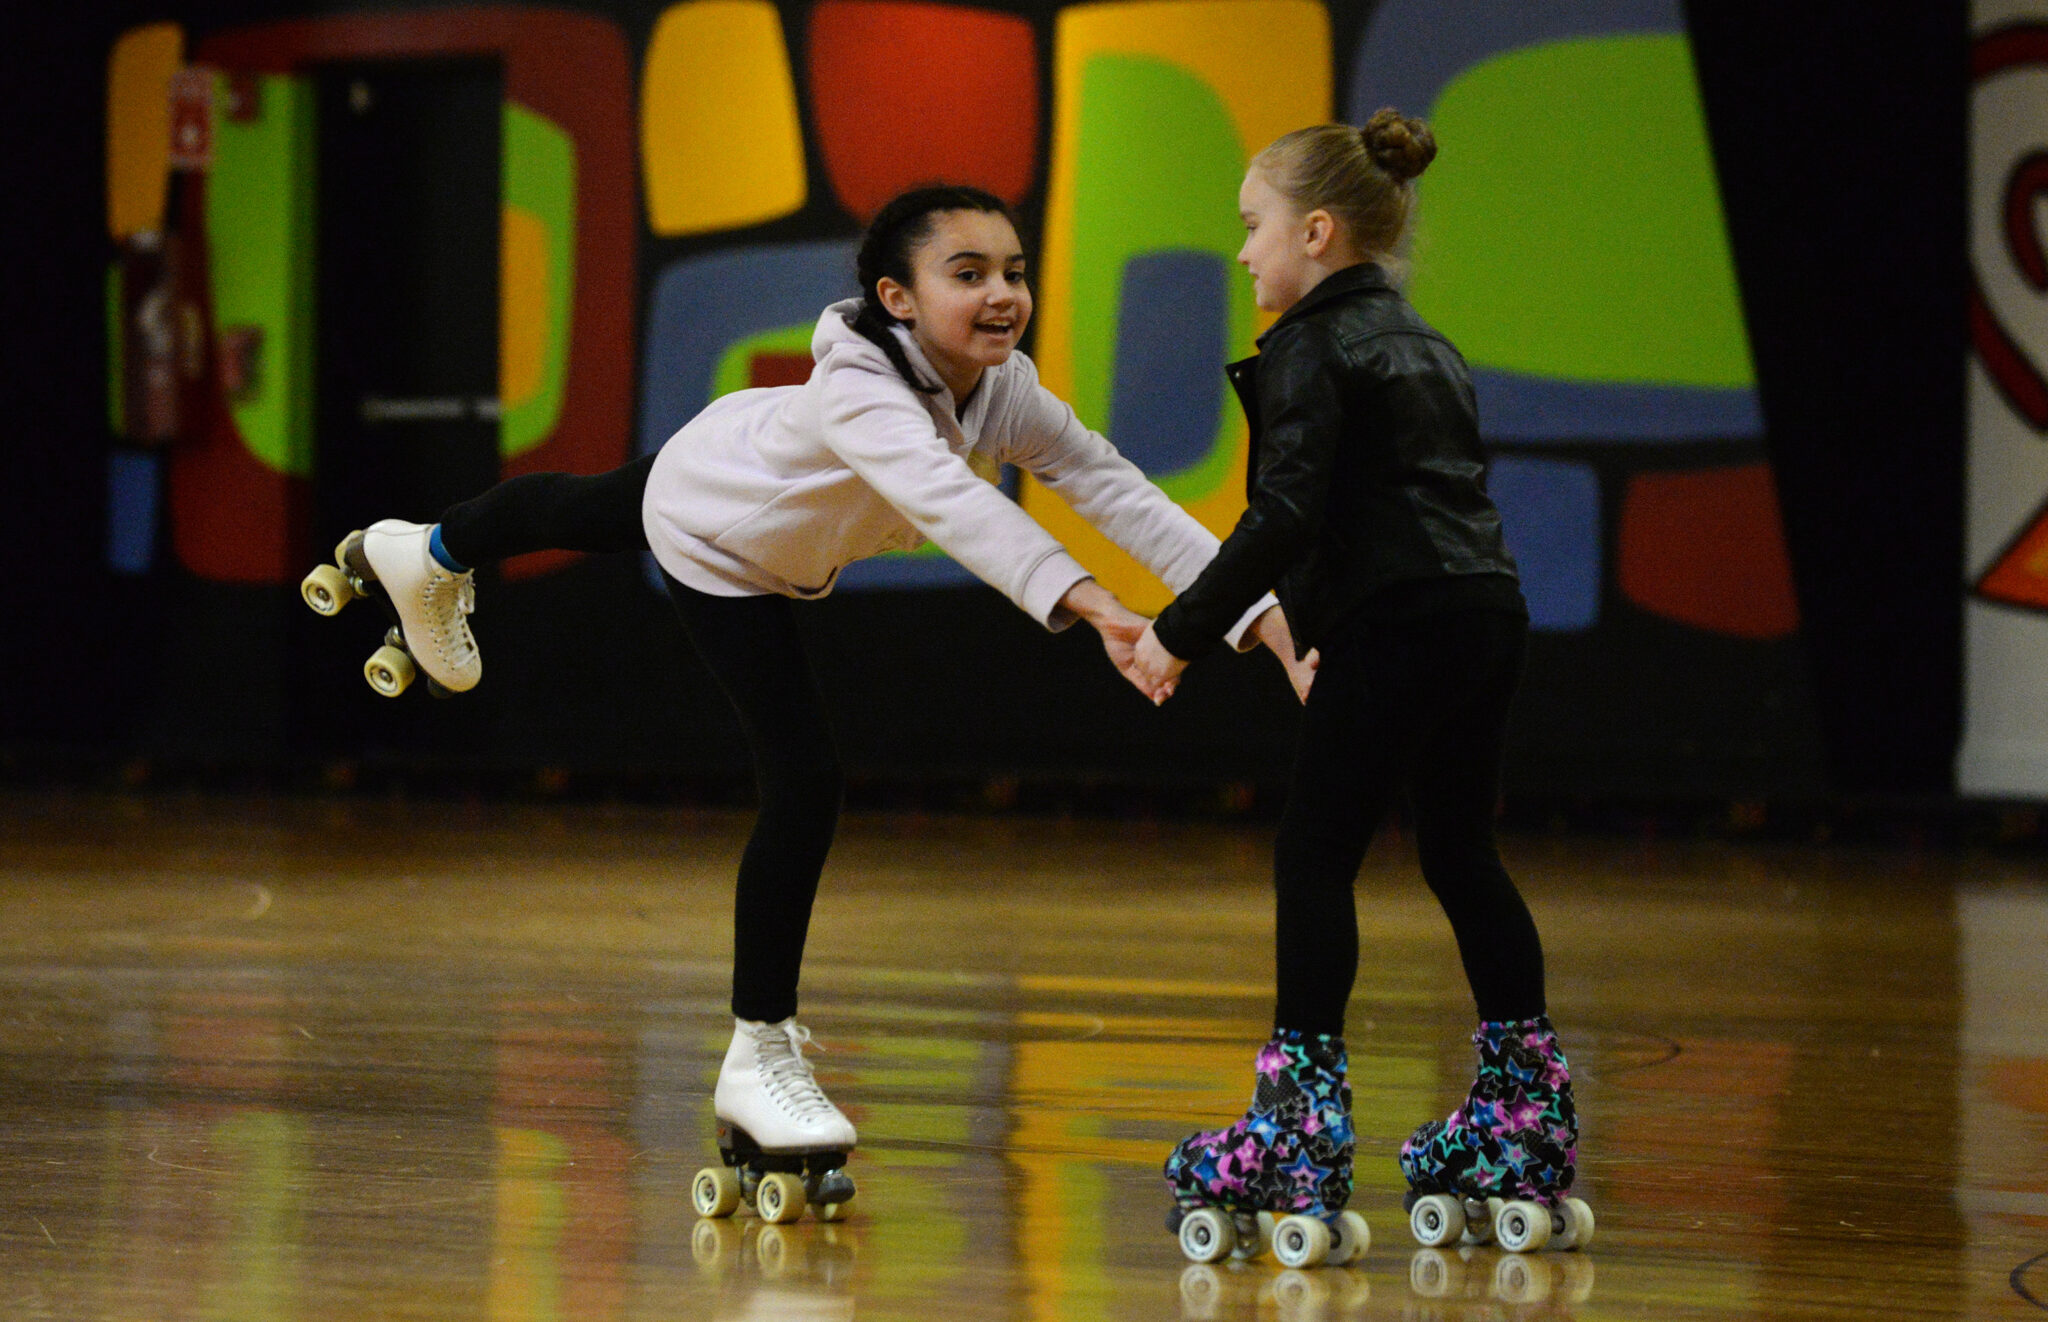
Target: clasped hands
1135, 650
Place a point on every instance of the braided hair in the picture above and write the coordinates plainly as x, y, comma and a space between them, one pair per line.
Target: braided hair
893, 236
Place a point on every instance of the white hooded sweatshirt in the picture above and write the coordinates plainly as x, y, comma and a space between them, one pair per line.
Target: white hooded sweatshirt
776, 490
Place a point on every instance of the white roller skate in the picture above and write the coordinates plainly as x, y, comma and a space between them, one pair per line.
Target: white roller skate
782, 1140
428, 604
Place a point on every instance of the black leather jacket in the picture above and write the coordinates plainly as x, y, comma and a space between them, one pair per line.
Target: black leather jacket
1366, 470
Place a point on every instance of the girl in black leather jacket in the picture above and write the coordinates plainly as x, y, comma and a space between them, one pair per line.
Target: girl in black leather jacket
1368, 516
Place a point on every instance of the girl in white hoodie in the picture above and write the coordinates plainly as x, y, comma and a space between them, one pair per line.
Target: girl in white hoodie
763, 498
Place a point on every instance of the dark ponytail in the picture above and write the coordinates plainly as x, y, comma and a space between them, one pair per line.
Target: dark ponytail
904, 222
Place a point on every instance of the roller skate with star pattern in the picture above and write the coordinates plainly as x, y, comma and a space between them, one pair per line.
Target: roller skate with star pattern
1281, 1175
1500, 1167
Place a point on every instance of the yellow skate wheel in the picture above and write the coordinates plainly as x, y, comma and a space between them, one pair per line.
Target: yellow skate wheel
716, 1191
831, 1211
780, 1197
1522, 1227
327, 589
1206, 1235
1300, 1241
1578, 1225
715, 1244
1436, 1220
1351, 1238
389, 670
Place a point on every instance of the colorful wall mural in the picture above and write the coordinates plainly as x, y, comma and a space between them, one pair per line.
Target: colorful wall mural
2005, 726
675, 215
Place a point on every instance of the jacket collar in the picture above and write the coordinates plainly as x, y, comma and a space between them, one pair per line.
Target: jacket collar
1364, 278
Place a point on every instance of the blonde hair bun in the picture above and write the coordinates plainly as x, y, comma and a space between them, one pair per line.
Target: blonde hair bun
1401, 146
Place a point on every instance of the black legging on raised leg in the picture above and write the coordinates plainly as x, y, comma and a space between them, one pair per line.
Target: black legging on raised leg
750, 646
1418, 704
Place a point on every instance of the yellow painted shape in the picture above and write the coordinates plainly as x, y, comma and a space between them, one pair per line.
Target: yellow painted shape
720, 141
532, 1210
139, 126
1269, 62
522, 306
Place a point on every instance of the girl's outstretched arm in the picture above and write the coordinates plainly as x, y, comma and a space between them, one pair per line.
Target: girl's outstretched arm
1120, 627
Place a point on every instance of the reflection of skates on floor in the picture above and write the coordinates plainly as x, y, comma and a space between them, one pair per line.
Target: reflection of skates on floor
1499, 1166
1279, 1176
428, 606
782, 1140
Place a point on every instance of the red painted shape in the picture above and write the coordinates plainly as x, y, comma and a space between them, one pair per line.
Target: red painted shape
905, 94
2008, 365
2019, 576
2017, 45
2029, 180
779, 369
1707, 548
232, 519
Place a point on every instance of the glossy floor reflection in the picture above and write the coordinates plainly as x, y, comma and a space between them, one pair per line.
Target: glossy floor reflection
280, 1061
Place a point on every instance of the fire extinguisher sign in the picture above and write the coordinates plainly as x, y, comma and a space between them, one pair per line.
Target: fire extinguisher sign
192, 118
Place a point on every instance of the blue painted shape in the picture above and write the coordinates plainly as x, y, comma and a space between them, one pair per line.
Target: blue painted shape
1515, 408
133, 493
1550, 512
1172, 339
704, 305
1413, 49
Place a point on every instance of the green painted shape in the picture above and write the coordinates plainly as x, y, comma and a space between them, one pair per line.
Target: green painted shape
1593, 247
117, 356
259, 232
540, 177
1157, 167
735, 364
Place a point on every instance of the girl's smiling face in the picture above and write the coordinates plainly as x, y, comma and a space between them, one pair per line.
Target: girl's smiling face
968, 302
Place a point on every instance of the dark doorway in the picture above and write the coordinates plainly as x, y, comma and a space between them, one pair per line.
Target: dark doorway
406, 413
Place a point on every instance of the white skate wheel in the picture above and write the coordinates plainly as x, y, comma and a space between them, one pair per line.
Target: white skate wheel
716, 1191
1522, 1227
1201, 1292
1434, 1274
1255, 1241
1206, 1235
830, 1211
389, 670
1578, 1226
1521, 1280
1436, 1220
1352, 1238
1301, 1241
327, 589
780, 1197
1299, 1294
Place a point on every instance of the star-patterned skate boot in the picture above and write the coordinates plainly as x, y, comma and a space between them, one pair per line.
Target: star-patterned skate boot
1499, 1167
1282, 1173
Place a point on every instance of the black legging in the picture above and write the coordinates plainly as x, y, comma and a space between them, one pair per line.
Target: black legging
1420, 704
751, 647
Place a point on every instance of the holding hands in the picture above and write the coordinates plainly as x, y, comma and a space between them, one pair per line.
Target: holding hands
1121, 629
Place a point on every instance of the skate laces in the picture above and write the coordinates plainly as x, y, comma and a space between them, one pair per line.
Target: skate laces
785, 1074
445, 612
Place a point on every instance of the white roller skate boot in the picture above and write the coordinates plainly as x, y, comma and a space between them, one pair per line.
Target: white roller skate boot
432, 601
782, 1140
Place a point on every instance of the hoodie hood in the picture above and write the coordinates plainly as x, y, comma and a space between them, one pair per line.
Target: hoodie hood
835, 331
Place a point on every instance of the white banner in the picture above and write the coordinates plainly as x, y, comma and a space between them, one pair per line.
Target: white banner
2005, 642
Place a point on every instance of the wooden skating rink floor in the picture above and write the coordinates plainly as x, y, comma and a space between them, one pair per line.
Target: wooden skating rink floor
356, 1059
